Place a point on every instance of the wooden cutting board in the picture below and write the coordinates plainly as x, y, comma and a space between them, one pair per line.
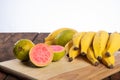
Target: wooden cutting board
79, 69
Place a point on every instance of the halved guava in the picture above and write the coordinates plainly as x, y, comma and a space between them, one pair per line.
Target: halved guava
41, 55
58, 51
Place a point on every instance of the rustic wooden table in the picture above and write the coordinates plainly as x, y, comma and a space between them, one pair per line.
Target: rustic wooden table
7, 41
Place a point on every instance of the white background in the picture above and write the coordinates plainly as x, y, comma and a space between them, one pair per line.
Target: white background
48, 15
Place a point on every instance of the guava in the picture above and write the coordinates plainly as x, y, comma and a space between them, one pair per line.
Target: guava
64, 37
21, 49
41, 55
58, 51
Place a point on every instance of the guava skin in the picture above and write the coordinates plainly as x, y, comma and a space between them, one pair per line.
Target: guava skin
58, 51
21, 49
64, 37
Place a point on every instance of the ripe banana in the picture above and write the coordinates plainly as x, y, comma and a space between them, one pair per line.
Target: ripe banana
76, 39
68, 46
109, 61
99, 43
49, 42
73, 53
52, 35
86, 42
113, 44
91, 57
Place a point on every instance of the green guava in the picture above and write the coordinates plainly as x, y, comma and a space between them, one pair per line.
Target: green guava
21, 49
41, 55
64, 37
58, 51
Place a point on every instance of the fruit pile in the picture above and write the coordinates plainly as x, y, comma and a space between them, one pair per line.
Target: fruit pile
97, 47
39, 54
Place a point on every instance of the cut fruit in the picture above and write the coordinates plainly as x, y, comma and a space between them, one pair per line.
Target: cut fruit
58, 51
41, 55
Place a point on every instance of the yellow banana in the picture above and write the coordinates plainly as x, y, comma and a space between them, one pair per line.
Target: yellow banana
113, 44
68, 46
86, 41
91, 57
52, 35
109, 61
76, 39
49, 42
73, 53
99, 43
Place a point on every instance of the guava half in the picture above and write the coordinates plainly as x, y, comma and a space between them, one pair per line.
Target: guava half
41, 55
58, 51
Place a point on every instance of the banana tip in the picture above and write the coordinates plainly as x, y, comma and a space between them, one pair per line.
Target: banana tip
83, 53
70, 59
111, 66
76, 48
99, 58
67, 54
96, 64
107, 54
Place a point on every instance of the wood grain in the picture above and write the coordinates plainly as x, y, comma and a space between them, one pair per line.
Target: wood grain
62, 70
40, 38
6, 47
90, 72
2, 75
115, 76
4, 37
6, 42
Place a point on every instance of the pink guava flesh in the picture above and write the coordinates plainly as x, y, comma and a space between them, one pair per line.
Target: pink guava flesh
58, 51
57, 48
41, 55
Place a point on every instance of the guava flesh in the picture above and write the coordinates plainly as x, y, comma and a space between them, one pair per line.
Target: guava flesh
58, 52
41, 55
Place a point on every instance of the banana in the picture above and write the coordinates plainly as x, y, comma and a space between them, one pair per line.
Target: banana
68, 46
48, 42
76, 39
99, 43
52, 35
91, 57
113, 44
109, 61
86, 42
73, 53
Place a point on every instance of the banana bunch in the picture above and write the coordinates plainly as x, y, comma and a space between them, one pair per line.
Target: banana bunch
97, 47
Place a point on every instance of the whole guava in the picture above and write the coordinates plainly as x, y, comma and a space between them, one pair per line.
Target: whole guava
63, 37
21, 49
